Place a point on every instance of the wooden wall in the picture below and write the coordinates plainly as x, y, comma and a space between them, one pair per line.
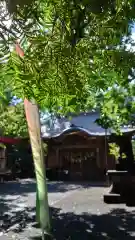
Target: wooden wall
60, 148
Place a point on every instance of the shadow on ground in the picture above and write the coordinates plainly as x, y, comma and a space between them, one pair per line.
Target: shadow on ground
116, 224
29, 186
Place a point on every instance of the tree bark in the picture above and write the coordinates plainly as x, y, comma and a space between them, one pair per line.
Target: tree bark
33, 121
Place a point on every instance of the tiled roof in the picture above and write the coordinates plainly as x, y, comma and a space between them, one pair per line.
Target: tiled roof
83, 122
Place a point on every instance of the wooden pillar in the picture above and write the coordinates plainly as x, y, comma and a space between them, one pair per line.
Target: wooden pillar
102, 155
98, 158
57, 157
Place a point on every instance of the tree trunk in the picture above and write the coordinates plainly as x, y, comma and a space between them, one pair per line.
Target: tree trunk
33, 121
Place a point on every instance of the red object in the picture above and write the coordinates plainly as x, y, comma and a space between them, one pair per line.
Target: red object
10, 140
19, 50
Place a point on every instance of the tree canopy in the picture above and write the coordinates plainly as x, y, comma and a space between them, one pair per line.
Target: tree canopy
74, 50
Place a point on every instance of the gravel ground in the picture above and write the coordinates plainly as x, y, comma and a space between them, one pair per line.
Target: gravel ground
77, 210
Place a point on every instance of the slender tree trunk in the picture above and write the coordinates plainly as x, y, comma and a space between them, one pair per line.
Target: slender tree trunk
33, 121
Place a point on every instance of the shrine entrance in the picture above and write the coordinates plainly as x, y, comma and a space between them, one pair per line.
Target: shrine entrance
81, 163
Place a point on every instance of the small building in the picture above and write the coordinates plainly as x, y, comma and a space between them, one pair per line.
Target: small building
80, 146
15, 158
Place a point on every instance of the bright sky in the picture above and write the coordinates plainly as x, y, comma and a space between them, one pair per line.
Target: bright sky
133, 34
134, 28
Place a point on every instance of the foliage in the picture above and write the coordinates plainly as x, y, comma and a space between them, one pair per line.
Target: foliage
12, 116
74, 50
13, 122
116, 106
45, 148
115, 151
133, 147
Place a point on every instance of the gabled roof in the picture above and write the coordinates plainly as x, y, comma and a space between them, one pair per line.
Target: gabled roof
84, 122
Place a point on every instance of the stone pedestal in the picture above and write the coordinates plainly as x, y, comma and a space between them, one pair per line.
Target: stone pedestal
122, 189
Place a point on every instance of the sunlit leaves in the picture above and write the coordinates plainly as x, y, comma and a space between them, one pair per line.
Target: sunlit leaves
73, 51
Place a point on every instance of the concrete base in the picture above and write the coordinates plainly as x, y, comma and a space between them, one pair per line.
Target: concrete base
113, 198
123, 188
